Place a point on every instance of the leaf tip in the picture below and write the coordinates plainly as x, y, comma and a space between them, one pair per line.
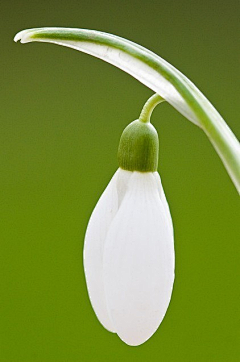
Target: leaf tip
22, 36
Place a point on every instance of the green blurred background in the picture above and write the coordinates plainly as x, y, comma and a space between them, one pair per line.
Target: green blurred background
62, 114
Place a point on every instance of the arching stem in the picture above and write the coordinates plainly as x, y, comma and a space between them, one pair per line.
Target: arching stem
149, 106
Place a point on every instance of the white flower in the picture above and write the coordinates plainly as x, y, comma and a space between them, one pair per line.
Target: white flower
129, 256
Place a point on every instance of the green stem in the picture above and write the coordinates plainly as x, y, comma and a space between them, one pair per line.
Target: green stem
148, 108
156, 74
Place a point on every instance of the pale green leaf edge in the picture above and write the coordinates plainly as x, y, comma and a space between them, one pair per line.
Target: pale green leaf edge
155, 73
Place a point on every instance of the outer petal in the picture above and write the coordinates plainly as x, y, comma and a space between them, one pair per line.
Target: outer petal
163, 199
99, 222
138, 262
97, 229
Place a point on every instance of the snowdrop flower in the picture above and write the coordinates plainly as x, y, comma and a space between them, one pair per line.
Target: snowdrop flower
129, 249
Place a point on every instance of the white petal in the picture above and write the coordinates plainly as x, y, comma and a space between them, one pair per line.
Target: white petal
97, 229
138, 262
122, 184
99, 222
164, 200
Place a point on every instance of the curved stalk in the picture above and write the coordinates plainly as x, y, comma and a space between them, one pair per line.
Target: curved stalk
148, 108
155, 73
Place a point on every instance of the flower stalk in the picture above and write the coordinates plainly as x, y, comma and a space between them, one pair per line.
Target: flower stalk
155, 73
148, 108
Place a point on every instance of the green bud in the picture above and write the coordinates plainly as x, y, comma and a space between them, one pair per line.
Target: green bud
138, 147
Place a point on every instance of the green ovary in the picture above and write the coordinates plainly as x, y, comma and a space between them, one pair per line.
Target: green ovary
138, 147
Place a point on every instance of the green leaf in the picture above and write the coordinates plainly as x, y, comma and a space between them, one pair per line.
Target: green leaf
155, 73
